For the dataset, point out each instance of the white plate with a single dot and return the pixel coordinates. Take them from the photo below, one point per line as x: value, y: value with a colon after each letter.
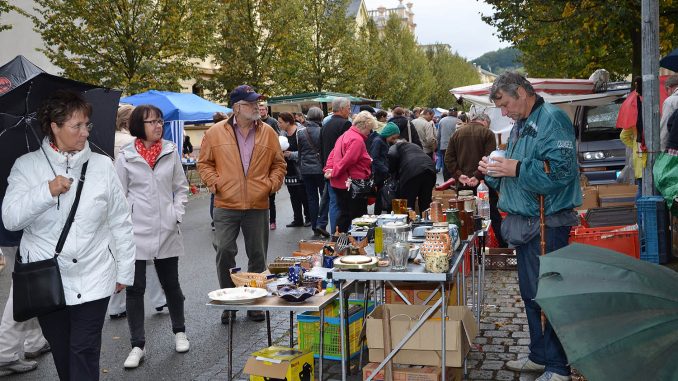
x: 237, y: 295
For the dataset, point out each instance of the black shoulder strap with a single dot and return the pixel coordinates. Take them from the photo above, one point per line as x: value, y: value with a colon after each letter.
x: 71, y: 214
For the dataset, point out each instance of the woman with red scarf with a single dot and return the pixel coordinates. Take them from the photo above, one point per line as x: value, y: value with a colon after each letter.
x: 157, y: 190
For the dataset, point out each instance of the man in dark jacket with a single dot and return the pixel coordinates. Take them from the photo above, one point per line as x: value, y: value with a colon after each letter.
x: 415, y: 172
x: 407, y: 130
x: 329, y: 133
x: 465, y: 149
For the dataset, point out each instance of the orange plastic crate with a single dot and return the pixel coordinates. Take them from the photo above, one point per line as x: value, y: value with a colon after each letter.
x: 625, y: 242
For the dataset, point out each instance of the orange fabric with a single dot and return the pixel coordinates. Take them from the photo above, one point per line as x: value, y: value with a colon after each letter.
x: 628, y: 112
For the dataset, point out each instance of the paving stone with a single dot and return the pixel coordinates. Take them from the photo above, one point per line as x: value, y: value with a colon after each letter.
x: 519, y: 349
x: 494, y: 348
x: 510, y: 309
x: 524, y: 341
x: 510, y: 327
x: 487, y: 326
x: 480, y: 375
x: 492, y: 365
x: 500, y: 356
x: 519, y: 320
x: 503, y: 341
x: 496, y: 334
x: 502, y: 314
x: 481, y: 340
x: 505, y: 375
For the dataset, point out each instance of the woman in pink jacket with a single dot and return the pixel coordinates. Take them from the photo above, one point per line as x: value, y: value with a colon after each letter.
x: 350, y: 160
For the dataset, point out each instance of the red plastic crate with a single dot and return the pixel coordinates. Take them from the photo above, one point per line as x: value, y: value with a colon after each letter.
x: 625, y: 242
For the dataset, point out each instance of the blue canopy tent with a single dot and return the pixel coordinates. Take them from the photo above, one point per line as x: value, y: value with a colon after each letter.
x: 177, y: 109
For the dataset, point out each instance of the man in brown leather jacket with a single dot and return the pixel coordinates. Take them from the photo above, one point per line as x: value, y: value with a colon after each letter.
x: 242, y: 164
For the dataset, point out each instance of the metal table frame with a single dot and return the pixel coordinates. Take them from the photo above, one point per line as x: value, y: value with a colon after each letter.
x: 273, y: 303
x: 472, y: 247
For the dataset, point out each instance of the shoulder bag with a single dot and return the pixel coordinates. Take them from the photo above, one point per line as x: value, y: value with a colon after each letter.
x: 37, y: 285
x: 292, y: 180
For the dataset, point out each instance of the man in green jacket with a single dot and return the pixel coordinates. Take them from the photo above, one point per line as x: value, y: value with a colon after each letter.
x: 542, y: 136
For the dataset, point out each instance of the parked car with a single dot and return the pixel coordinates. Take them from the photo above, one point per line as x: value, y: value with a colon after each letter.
x: 601, y: 154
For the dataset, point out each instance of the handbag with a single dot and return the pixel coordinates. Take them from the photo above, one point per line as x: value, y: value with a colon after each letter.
x: 361, y: 188
x: 293, y: 180
x: 37, y: 285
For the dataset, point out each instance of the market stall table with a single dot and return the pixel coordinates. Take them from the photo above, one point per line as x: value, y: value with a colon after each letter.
x: 316, y: 303
x: 466, y: 255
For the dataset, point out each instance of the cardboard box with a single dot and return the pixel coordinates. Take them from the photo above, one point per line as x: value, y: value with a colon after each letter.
x: 417, y: 292
x: 410, y: 373
x: 616, y: 195
x: 280, y: 363
x: 311, y: 247
x: 589, y: 198
x: 424, y: 347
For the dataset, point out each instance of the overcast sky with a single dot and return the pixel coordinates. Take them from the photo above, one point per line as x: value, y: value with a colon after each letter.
x: 455, y: 22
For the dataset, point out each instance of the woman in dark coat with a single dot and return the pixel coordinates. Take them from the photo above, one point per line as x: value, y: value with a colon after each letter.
x: 407, y: 130
x: 415, y: 171
x: 379, y: 153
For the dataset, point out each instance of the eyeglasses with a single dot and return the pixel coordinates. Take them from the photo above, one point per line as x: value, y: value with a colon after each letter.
x: 154, y: 121
x: 83, y: 126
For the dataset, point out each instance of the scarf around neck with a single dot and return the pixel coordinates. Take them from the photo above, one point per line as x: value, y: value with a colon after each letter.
x: 150, y: 154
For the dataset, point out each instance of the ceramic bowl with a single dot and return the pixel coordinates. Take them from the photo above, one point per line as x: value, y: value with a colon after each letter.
x: 296, y: 294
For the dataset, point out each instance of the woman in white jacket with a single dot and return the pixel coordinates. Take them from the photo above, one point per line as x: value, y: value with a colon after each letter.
x: 156, y: 188
x: 40, y: 193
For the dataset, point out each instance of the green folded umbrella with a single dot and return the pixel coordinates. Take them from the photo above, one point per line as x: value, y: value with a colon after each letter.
x: 616, y: 316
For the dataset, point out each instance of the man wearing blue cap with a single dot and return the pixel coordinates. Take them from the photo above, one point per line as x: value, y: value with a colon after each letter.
x: 242, y: 164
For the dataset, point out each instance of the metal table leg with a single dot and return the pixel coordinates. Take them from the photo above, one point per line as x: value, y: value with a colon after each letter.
x: 322, y: 343
x: 342, y: 331
x: 268, y: 328
x: 443, y: 320
x: 291, y: 329
x: 230, y: 345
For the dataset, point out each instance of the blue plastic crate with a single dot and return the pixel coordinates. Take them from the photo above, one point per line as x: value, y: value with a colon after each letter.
x: 653, y: 229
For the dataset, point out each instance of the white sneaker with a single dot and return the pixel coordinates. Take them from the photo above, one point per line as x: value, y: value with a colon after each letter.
x: 181, y: 342
x: 550, y: 376
x: 134, y: 358
x: 524, y: 365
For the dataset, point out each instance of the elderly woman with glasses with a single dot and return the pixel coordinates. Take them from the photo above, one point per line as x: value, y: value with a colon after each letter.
x: 40, y: 194
x: 350, y: 160
x: 157, y: 190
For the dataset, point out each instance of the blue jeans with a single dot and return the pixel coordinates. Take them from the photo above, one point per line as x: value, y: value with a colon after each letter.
x: 315, y: 184
x: 545, y: 348
x: 334, y: 207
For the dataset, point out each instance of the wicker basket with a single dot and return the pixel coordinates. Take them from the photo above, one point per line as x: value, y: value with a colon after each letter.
x: 259, y: 280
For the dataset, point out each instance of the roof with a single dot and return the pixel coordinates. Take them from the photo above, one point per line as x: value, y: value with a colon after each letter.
x: 321, y: 97
x: 353, y: 8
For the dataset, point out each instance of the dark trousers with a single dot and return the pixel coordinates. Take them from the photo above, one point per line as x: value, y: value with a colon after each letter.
x: 315, y: 185
x: 74, y: 333
x: 421, y: 187
x: 545, y: 348
x: 495, y: 218
x: 348, y: 208
x: 168, y: 275
x: 227, y: 224
x: 299, y: 201
x: 271, y: 208
x: 446, y: 173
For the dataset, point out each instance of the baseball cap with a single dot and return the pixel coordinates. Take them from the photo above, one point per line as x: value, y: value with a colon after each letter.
x: 244, y: 93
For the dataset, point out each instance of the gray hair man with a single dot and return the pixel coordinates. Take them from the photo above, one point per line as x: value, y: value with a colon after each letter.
x: 541, y: 159
x: 427, y: 131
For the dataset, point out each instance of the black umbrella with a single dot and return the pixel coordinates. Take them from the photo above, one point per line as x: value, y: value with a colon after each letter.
x: 670, y: 61
x: 19, y: 128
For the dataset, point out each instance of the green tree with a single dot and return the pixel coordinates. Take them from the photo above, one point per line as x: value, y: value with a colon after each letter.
x: 407, y: 77
x: 5, y: 8
x: 134, y: 45
x: 256, y: 45
x: 449, y: 70
x: 330, y: 44
x: 574, y: 38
